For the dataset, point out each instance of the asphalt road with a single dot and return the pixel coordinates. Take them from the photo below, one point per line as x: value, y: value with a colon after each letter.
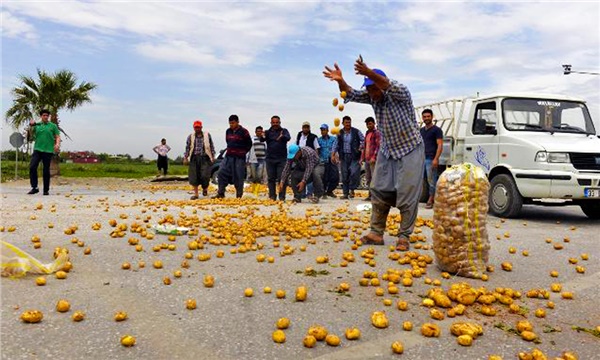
x: 228, y: 325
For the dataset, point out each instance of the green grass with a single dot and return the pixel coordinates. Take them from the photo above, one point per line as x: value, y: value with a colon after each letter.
x: 129, y: 170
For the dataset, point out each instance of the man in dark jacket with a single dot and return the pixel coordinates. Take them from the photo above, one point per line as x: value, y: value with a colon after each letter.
x: 232, y: 169
x: 276, y: 138
x: 349, y: 147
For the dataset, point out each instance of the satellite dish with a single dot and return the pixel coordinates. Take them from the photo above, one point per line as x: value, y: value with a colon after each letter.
x: 16, y: 139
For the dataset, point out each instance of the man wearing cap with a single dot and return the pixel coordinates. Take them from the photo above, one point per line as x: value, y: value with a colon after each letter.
x: 47, y: 143
x: 370, y: 151
x: 331, y: 173
x: 350, y: 142
x: 307, y: 138
x: 162, y: 162
x: 233, y: 168
x: 200, y: 155
x: 276, y: 138
x: 399, y: 167
x: 301, y: 162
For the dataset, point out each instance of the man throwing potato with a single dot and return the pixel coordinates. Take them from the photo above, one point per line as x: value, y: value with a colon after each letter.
x: 398, y: 173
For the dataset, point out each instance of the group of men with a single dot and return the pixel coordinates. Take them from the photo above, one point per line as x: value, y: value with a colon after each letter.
x: 396, y: 156
x: 311, y: 164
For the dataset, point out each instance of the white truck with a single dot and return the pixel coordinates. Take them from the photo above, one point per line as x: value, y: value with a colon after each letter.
x: 534, y: 148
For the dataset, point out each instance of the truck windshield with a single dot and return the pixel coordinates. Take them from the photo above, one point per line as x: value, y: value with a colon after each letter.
x: 547, y: 115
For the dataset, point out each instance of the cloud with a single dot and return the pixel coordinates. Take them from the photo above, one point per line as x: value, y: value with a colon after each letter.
x: 14, y: 27
x: 190, y: 32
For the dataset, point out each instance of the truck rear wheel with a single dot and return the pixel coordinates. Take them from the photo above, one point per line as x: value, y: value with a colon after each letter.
x: 591, y: 208
x: 504, y: 199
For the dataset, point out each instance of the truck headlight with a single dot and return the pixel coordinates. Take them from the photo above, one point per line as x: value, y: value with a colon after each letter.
x: 552, y: 157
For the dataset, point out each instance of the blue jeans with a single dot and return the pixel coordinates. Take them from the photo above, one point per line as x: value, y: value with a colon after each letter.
x: 431, y: 176
x: 350, y: 173
x: 257, y: 172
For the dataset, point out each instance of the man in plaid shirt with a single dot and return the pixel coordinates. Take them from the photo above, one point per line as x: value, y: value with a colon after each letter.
x: 301, y: 163
x: 398, y: 174
x: 369, y: 153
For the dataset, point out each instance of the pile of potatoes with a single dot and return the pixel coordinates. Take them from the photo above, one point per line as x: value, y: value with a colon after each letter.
x: 460, y: 237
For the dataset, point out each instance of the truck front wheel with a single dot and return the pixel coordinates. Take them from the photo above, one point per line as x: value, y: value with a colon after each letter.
x: 591, y: 208
x: 505, y: 199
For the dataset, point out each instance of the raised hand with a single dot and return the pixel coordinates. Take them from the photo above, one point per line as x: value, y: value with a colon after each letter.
x: 334, y: 74
x: 361, y: 68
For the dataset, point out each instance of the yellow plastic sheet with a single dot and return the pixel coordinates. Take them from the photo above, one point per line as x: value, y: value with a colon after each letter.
x: 17, y: 263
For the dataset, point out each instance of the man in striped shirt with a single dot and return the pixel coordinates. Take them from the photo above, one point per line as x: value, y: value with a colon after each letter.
x: 232, y: 169
x: 301, y: 163
x: 399, y: 167
x: 256, y: 160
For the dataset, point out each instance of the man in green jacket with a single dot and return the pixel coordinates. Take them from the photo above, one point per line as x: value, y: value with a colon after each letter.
x: 47, y: 143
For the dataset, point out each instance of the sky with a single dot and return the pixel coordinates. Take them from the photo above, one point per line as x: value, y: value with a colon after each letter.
x: 161, y: 65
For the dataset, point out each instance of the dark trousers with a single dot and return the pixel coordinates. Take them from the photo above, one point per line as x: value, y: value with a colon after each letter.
x: 162, y: 163
x: 314, y: 178
x: 199, y: 171
x: 274, y: 170
x: 331, y: 177
x: 45, y: 158
x: 232, y: 171
x: 350, y: 173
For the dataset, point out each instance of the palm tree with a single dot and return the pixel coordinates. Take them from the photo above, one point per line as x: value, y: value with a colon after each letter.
x: 49, y: 91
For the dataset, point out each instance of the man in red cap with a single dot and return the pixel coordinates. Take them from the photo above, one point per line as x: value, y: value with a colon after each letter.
x: 200, y: 155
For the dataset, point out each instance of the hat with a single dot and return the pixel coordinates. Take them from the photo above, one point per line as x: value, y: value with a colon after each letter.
x: 197, y: 123
x: 325, y: 126
x: 292, y: 151
x: 306, y: 123
x: 371, y: 82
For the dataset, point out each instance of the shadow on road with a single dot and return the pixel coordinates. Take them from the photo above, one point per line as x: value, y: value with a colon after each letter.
x: 565, y: 214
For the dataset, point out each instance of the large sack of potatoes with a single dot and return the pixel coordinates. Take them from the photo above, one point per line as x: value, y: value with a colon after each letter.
x: 460, y: 237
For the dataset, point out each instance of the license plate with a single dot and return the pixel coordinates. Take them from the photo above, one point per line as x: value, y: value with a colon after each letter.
x: 591, y: 193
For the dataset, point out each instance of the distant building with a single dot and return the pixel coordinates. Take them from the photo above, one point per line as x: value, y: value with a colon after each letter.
x: 82, y: 157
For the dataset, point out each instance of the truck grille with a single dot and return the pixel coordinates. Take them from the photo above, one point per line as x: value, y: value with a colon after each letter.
x: 583, y: 161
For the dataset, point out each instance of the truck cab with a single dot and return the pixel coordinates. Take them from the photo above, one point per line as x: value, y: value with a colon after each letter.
x: 535, y: 148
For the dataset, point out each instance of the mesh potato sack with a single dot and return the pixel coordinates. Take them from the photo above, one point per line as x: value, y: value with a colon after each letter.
x: 460, y: 237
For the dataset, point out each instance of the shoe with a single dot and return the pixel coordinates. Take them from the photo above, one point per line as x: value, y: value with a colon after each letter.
x: 351, y: 194
x: 344, y: 197
x: 331, y: 195
x: 324, y: 197
x: 33, y: 191
x: 296, y: 201
x: 429, y: 206
x: 195, y: 197
x: 204, y: 192
x: 46, y: 193
x: 218, y: 196
x: 314, y: 199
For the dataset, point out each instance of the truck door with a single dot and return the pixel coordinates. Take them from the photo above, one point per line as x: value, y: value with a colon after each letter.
x: 481, y: 142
